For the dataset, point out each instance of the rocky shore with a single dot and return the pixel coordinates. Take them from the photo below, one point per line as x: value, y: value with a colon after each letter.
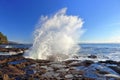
x: 16, y: 67
x: 17, y: 50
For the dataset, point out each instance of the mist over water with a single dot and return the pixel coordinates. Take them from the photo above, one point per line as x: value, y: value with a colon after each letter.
x: 56, y: 37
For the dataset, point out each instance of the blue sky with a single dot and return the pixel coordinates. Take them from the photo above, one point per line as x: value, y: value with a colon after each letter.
x: 101, y: 18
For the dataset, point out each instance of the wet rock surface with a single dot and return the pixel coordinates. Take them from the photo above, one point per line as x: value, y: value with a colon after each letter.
x: 17, y: 50
x: 16, y: 67
x: 92, y: 56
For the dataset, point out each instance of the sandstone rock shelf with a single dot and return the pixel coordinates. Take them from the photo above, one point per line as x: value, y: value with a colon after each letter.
x: 16, y: 67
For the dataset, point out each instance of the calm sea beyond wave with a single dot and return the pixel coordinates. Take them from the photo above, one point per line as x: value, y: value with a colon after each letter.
x: 102, y: 51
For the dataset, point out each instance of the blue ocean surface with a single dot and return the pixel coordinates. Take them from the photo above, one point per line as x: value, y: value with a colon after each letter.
x: 111, y: 51
x: 103, y: 51
x: 99, y: 48
x: 16, y: 46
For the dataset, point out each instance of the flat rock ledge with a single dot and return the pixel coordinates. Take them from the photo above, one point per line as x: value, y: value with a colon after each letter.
x: 16, y: 50
x: 16, y: 67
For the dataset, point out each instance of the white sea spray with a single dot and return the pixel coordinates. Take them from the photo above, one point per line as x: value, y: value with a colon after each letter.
x: 56, y: 37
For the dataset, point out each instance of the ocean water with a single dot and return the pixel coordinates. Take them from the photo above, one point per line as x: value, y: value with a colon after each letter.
x: 99, y: 48
x: 102, y: 51
x: 16, y: 46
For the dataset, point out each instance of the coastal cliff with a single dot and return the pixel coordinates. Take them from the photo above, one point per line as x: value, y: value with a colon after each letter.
x: 3, y: 38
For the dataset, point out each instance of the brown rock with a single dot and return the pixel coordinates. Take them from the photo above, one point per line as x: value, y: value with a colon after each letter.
x: 87, y: 63
x: 5, y: 77
x: 76, y: 72
x: 3, y: 61
x: 12, y: 70
x: 69, y: 61
x: 88, y: 79
x: 43, y: 70
x: 102, y: 72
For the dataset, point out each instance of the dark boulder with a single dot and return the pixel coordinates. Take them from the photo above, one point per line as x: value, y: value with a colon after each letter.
x: 92, y: 56
x: 87, y: 63
x: 115, y: 68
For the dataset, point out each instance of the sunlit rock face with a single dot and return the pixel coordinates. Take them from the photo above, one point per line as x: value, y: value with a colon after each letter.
x: 3, y: 39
